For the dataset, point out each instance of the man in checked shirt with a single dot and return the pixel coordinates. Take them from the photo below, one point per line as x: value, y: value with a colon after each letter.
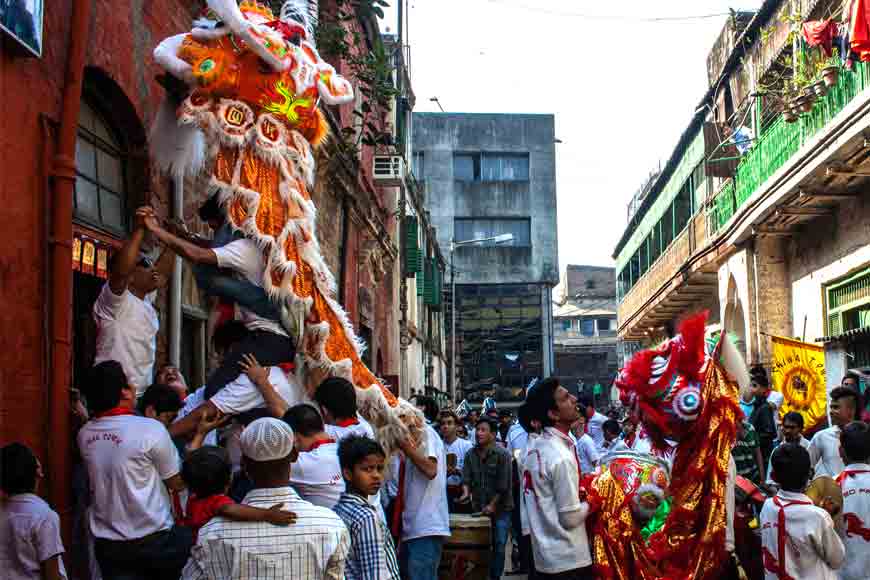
x: 315, y: 547
x: 372, y: 554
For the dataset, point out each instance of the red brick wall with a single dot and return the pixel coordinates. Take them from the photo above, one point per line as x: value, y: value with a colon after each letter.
x: 29, y: 89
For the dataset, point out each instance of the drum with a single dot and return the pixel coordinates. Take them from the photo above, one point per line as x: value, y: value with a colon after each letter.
x: 822, y: 487
x: 467, y: 551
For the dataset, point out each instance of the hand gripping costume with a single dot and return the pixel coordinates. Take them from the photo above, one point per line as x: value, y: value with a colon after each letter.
x: 249, y: 120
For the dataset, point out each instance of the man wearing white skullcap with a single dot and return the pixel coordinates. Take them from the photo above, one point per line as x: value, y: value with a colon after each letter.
x: 314, y: 547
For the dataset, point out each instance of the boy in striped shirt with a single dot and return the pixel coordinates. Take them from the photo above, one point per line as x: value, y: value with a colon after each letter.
x: 372, y: 554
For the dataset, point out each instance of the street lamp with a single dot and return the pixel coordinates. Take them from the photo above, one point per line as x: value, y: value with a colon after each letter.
x: 499, y: 239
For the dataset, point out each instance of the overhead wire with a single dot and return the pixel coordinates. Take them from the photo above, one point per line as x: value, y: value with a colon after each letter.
x: 612, y: 17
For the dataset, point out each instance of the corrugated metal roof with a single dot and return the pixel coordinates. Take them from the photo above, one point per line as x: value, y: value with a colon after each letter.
x: 846, y: 336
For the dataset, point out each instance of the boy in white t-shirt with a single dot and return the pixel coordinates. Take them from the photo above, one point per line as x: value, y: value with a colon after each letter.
x: 127, y: 323
x: 316, y: 472
x: 422, y: 504
x: 30, y: 544
x: 555, y: 505
x: 132, y: 466
x: 455, y: 449
x: 798, y: 539
x: 855, y: 483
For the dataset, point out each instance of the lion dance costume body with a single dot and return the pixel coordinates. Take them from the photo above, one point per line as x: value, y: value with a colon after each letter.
x: 250, y: 121
x: 687, y: 404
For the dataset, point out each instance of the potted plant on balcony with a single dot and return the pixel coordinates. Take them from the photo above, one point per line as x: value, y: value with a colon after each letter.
x: 830, y: 72
x: 790, y: 103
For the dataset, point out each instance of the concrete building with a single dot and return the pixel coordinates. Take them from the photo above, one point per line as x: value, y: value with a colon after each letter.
x: 584, y: 328
x: 772, y: 237
x: 490, y: 175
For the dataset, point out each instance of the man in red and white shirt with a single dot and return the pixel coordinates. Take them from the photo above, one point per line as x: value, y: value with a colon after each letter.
x: 555, y: 506
x: 855, y: 483
x: 132, y: 465
x: 316, y: 472
x: 825, y: 445
x: 798, y: 539
x: 336, y: 398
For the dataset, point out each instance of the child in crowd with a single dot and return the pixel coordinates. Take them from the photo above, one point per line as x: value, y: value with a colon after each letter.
x: 798, y: 539
x: 612, y: 442
x: 855, y: 483
x: 30, y: 546
x: 372, y: 554
x: 207, y: 472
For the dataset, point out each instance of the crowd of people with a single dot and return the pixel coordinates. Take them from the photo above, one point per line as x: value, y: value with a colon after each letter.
x: 304, y: 490
x: 254, y: 475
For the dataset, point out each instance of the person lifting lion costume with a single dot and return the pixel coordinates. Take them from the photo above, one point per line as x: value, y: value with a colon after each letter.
x: 663, y: 513
x: 249, y: 119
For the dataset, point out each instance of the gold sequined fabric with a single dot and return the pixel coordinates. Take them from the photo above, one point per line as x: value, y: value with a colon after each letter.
x: 691, y: 543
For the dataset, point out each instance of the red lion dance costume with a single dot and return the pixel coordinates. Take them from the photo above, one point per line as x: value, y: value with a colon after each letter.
x: 685, y: 396
x: 249, y: 121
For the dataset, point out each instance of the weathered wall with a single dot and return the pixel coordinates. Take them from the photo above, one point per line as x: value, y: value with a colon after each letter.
x: 122, y: 36
x: 438, y: 136
x: 828, y: 249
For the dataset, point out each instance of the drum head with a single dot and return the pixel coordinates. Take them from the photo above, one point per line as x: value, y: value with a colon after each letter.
x: 824, y: 486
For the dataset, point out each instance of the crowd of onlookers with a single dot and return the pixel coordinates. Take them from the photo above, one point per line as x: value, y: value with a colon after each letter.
x: 255, y: 475
x: 304, y: 490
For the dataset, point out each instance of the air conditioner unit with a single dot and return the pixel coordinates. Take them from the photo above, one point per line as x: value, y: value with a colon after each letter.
x: 388, y: 170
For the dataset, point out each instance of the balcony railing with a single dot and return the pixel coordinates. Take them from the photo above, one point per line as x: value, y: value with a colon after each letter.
x: 671, y: 260
x: 779, y: 142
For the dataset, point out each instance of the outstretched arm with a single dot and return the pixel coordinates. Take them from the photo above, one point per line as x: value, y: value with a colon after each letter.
x: 245, y: 513
x: 125, y: 261
x: 183, y: 248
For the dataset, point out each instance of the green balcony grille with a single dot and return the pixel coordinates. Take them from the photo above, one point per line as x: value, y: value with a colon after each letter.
x: 779, y: 142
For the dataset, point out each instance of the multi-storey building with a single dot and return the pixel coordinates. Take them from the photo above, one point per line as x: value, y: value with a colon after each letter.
x: 767, y: 230
x: 491, y: 193
x: 584, y: 328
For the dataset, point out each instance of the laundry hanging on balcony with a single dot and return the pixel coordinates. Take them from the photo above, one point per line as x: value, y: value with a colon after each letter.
x: 820, y: 33
x: 859, y: 29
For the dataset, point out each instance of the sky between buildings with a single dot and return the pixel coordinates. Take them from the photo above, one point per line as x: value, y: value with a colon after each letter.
x: 622, y: 89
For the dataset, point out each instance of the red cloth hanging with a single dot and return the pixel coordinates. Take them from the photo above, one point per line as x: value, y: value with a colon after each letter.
x: 859, y: 32
x: 820, y: 33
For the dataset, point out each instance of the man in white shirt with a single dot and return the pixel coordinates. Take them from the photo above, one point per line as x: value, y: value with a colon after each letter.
x: 316, y: 474
x: 30, y: 544
x: 455, y: 449
x: 855, y: 483
x: 587, y: 453
x: 825, y: 444
x: 132, y: 465
x: 798, y: 539
x: 556, y: 507
x: 257, y: 387
x: 127, y: 323
x: 792, y: 432
x: 594, y: 422
x: 315, y: 547
x: 422, y: 503
x: 267, y: 340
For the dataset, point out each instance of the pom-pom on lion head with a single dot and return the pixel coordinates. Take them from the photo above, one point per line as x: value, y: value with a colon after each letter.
x: 664, y: 384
